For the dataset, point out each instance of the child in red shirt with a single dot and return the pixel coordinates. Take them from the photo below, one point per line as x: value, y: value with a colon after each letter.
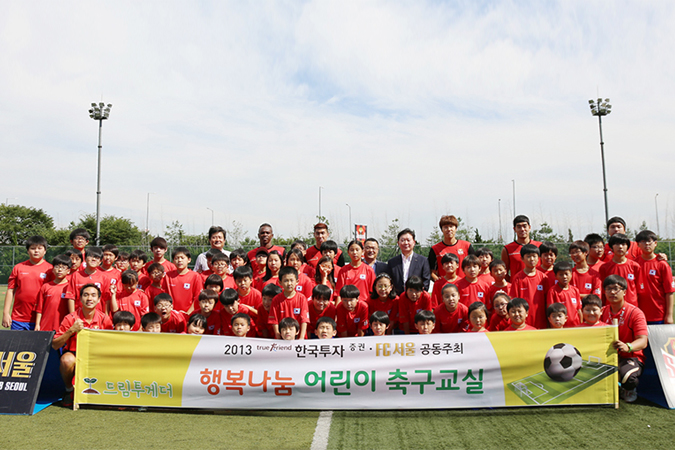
x: 412, y: 301
x: 383, y: 297
x: 622, y: 266
x: 295, y: 259
x: 557, y: 315
x: 290, y: 303
x: 531, y: 285
x: 450, y: 265
x: 289, y: 329
x: 425, y: 321
x: 158, y: 247
x: 471, y: 288
x: 124, y: 321
x: 584, y: 278
x: 596, y: 251
x: 485, y: 256
x: 379, y: 323
x: 52, y: 306
x: 356, y: 273
x: 156, y: 275
x: 269, y: 292
x: 24, y: 286
x: 207, y: 303
x: 182, y: 284
x: 107, y: 267
x: 229, y: 299
x: 271, y: 274
x: 130, y: 298
x: 151, y: 323
x: 351, y: 312
x: 320, y: 305
x: 499, y: 320
x: 498, y: 272
x: 241, y: 324
x: 591, y: 310
x: 172, y: 321
x: 518, y: 312
x: 566, y: 294
x: 477, y: 318
x: 655, y: 297
x: 451, y: 315
x: 248, y: 295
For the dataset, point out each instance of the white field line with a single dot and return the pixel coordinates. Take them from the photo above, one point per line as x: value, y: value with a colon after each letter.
x: 322, y: 430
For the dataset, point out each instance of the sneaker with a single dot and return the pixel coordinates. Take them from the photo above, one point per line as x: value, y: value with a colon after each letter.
x: 630, y: 395
x: 68, y: 399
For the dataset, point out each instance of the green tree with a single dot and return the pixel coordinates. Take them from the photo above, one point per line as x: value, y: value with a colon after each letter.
x: 114, y: 230
x: 236, y: 234
x: 389, y: 237
x: 17, y: 223
x: 545, y: 233
x: 434, y: 237
x: 175, y: 235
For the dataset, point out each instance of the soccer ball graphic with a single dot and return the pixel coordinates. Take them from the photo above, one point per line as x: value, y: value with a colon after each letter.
x: 562, y: 362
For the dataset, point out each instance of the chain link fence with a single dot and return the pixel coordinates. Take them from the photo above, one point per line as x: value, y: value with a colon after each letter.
x: 12, y: 255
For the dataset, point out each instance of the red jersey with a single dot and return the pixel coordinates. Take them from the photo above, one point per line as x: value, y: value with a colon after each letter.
x: 551, y: 280
x: 151, y: 292
x: 477, y: 291
x: 571, y: 298
x: 113, y: 275
x: 263, y: 323
x: 100, y: 321
x: 655, y: 284
x: 305, y: 285
x: 533, y: 290
x: 451, y: 322
x: 175, y: 324
x: 26, y: 279
x: 515, y: 260
x: 587, y: 283
x: 352, y: 321
x: 136, y: 303
x: 184, y: 289
x: 226, y: 321
x: 252, y: 299
x: 80, y: 278
x: 52, y: 304
x: 407, y: 309
x: 597, y: 265
x: 460, y: 249
x: 437, y: 291
x: 632, y: 323
x: 295, y: 307
x: 168, y: 266
x: 599, y: 323
x: 362, y: 277
x: 315, y: 315
x: 499, y: 323
x: 493, y: 290
x: 213, y: 325
x: 630, y: 270
x: 389, y: 306
x: 487, y: 277
x: 143, y: 282
x: 259, y: 283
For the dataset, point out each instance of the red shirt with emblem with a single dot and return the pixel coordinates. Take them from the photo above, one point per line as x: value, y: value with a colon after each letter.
x: 460, y: 249
x: 184, y: 289
x: 569, y: 297
x: 81, y: 278
x: 362, y: 277
x: 407, y: 309
x: 352, y: 321
x: 451, y: 322
x: 100, y: 321
x: 295, y: 307
x: 175, y: 324
x: 630, y: 270
x: 655, y: 284
x: 315, y: 315
x: 477, y: 291
x: 136, y: 303
x: 632, y: 323
x: 533, y: 290
x: 588, y: 282
x: 52, y: 304
x: 26, y: 279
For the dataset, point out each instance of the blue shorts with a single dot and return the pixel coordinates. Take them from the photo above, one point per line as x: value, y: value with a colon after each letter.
x: 22, y: 326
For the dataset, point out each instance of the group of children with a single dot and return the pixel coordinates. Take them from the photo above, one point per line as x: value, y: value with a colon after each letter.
x: 286, y: 295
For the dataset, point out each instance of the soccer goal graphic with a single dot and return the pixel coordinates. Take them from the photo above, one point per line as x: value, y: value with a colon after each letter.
x: 540, y: 389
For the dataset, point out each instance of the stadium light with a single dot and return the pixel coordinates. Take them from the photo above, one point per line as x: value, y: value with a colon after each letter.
x: 99, y: 112
x: 601, y: 108
x: 350, y: 220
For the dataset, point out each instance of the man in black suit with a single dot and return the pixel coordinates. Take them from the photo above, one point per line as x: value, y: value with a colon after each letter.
x: 371, y: 248
x: 408, y: 263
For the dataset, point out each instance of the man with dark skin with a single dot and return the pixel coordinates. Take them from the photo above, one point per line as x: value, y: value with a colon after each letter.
x: 265, y: 235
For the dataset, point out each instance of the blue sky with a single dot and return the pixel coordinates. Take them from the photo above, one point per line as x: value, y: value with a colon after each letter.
x: 405, y: 110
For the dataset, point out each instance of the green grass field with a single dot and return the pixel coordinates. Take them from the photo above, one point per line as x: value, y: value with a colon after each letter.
x: 632, y: 426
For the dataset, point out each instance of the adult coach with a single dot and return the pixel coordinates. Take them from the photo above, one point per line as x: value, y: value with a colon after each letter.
x: 217, y: 240
x: 265, y: 235
x: 313, y: 254
x: 408, y: 263
x: 449, y: 244
x: 511, y: 252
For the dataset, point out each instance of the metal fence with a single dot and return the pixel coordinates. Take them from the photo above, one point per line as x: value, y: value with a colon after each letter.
x: 12, y: 255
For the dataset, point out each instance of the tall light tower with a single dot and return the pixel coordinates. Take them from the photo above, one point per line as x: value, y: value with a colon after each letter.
x: 350, y: 217
x: 602, y: 108
x: 99, y: 112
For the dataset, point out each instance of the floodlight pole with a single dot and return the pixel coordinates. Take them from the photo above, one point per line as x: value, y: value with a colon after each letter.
x: 350, y: 220
x: 602, y: 108
x: 99, y: 112
x: 656, y: 206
